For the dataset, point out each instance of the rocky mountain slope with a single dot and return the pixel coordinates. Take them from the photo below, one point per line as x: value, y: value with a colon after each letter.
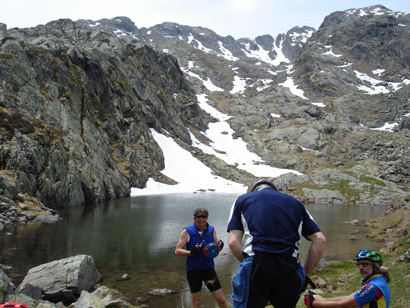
x: 76, y: 107
x: 77, y: 100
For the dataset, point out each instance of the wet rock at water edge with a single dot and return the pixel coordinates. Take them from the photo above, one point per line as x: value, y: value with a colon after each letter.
x: 63, y: 280
x: 124, y: 278
x: 162, y: 292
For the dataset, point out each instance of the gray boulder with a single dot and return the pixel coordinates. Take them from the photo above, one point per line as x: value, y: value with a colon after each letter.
x: 32, y: 297
x: 406, y: 256
x: 31, y: 302
x: 33, y: 292
x: 285, y: 181
x: 9, y: 186
x: 5, y: 284
x: 63, y: 280
x: 88, y: 300
x: 405, y: 123
x: 102, y: 297
x: 324, y: 196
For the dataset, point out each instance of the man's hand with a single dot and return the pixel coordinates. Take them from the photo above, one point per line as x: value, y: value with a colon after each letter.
x: 220, y: 245
x: 195, y: 250
x: 309, y: 299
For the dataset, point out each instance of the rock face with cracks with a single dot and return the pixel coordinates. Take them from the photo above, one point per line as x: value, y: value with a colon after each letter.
x: 76, y: 107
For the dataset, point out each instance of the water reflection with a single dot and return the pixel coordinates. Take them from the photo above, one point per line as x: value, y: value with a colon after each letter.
x: 138, y: 235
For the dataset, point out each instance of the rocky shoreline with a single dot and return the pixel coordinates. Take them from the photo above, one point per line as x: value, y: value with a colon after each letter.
x: 18, y: 207
x: 72, y: 282
x: 324, y: 186
x: 68, y: 282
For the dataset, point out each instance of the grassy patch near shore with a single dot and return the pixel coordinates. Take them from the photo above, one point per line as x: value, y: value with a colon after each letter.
x: 399, y: 281
x: 394, y: 228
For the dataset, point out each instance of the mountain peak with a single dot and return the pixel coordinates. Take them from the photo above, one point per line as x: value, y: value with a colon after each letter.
x: 373, y: 10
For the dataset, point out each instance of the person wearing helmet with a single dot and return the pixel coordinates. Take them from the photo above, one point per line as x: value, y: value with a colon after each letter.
x: 200, y: 244
x: 374, y: 293
x: 271, y: 224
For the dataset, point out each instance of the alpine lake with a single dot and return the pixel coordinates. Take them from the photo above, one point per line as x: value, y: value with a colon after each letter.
x: 137, y: 236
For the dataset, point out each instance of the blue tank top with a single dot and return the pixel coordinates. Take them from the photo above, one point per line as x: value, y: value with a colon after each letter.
x: 199, y: 261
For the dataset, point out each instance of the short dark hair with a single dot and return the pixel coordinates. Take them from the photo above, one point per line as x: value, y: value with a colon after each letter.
x: 201, y: 212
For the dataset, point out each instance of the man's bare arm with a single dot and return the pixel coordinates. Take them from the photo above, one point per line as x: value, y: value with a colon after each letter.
x: 317, y: 246
x: 180, y: 249
x: 235, y: 243
x: 336, y: 302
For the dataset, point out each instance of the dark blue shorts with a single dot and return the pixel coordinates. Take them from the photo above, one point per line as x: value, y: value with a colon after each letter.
x: 195, y: 278
x: 264, y: 278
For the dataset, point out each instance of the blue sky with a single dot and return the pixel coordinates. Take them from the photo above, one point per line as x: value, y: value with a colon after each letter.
x: 239, y: 18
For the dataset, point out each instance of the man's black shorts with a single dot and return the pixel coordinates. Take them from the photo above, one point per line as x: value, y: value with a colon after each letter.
x: 195, y: 278
x: 267, y: 277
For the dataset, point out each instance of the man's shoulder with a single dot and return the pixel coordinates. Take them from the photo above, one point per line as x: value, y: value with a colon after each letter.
x: 378, y: 280
x: 190, y: 228
x: 264, y: 192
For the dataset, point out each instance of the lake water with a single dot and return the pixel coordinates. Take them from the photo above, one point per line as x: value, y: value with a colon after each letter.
x: 137, y: 236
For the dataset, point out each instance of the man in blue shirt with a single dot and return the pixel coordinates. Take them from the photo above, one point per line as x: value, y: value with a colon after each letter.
x: 196, y: 243
x: 271, y: 224
x: 375, y: 292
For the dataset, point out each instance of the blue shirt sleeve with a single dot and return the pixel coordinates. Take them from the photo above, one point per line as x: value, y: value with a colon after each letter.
x: 309, y: 225
x: 366, y: 294
x: 235, y: 221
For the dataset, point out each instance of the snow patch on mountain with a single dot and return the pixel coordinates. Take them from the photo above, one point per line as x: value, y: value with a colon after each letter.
x: 330, y: 52
x: 239, y: 85
x: 264, y: 55
x: 300, y: 37
x: 376, y: 86
x: 192, y: 175
x: 290, y: 84
x: 226, y: 54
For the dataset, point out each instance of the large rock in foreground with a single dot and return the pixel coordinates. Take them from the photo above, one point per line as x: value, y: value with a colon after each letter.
x: 4, y: 285
x: 63, y: 280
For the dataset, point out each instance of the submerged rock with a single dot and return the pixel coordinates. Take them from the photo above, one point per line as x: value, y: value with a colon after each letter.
x: 162, y: 292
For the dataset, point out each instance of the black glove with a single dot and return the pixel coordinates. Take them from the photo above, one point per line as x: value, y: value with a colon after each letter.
x: 194, y: 250
x: 308, y: 281
x: 221, y: 245
x: 309, y: 299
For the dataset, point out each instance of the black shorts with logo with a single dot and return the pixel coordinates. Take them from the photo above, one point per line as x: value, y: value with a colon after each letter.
x: 195, y: 278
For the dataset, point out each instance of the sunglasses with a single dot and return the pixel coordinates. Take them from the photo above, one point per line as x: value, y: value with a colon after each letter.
x: 363, y: 264
x: 201, y: 216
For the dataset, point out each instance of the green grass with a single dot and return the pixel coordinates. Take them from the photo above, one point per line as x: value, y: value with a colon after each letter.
x: 372, y: 180
x: 399, y: 283
x: 124, y: 84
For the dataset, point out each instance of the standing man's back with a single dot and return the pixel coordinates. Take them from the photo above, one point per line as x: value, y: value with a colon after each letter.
x: 271, y: 224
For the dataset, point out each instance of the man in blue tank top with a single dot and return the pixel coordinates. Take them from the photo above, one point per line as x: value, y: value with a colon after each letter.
x: 271, y: 224
x: 374, y: 293
x: 200, y: 244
